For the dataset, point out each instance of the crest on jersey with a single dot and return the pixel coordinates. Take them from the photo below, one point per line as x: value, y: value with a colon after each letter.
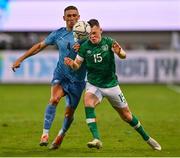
x: 104, y: 47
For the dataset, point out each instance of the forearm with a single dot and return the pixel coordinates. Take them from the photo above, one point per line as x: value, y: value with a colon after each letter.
x: 121, y: 54
x: 117, y: 49
x: 32, y: 51
x: 75, y: 65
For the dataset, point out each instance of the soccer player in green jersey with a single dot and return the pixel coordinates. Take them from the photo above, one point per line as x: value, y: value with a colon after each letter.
x: 98, y: 55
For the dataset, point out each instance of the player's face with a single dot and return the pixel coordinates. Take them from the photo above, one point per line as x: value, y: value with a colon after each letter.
x: 95, y: 35
x: 71, y: 17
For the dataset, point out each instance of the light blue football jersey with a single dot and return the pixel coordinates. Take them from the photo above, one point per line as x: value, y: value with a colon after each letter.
x: 64, y: 40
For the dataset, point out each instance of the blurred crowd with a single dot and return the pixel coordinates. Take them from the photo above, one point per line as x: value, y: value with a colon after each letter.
x: 129, y: 40
x: 19, y: 41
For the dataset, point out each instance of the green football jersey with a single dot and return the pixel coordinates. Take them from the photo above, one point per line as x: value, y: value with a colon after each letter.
x: 100, y: 62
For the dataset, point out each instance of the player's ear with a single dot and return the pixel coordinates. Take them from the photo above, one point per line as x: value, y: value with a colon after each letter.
x: 64, y: 18
x: 101, y: 30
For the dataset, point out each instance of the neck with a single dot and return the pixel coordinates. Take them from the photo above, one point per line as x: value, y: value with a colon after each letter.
x: 98, y: 41
x: 68, y: 29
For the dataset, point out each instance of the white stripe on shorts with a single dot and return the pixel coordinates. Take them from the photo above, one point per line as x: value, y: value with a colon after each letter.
x: 90, y: 120
x: 138, y: 125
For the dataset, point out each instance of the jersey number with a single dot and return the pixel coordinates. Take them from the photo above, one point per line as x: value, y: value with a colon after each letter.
x: 97, y: 58
x: 122, y: 98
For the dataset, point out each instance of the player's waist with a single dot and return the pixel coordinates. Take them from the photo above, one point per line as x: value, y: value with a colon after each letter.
x: 73, y: 76
x: 103, y: 82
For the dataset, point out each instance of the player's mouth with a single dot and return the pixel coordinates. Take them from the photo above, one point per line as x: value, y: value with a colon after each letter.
x: 94, y: 40
x: 72, y: 22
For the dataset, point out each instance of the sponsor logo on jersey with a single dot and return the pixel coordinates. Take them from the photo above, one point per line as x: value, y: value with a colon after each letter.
x: 89, y: 52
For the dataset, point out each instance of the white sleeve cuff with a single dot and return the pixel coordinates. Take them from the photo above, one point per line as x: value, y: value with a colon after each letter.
x: 79, y: 58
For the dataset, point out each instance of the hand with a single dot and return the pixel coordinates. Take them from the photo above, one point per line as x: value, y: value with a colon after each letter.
x: 76, y: 47
x: 116, y: 48
x: 16, y: 65
x: 68, y: 61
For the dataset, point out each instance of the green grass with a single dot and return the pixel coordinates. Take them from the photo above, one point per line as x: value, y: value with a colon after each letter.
x: 21, y: 120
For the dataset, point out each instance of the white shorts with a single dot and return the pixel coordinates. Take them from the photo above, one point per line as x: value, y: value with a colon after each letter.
x: 113, y: 94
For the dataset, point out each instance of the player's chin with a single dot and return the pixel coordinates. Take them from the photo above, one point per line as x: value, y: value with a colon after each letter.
x: 94, y: 41
x: 71, y: 23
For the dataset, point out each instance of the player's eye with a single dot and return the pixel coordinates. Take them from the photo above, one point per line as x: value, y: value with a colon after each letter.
x: 71, y: 15
x: 93, y: 33
x: 74, y: 15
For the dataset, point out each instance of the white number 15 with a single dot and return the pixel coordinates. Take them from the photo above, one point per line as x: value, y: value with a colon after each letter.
x: 97, y: 58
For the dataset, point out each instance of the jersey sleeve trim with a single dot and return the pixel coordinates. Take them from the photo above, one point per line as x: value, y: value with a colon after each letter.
x: 79, y: 58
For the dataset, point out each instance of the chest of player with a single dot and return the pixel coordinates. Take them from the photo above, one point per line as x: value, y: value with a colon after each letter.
x: 100, y: 54
x: 65, y: 42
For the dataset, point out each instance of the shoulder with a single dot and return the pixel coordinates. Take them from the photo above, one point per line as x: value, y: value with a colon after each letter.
x: 60, y: 30
x: 85, y: 43
x: 54, y: 34
x: 84, y: 46
x: 108, y: 39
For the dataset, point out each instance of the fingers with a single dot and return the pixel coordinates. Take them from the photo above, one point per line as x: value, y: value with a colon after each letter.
x: 67, y: 61
x: 15, y: 66
x: 13, y: 69
x: 116, y: 45
x: 76, y: 47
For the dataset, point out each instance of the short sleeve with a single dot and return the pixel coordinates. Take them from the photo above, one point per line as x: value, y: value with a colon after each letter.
x: 110, y: 41
x: 50, y: 39
x: 81, y: 51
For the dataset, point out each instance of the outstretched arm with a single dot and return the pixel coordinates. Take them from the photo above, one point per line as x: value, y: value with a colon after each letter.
x: 116, y: 48
x: 32, y: 51
x: 73, y: 64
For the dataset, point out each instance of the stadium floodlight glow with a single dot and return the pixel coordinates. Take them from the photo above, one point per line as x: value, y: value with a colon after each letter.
x: 131, y: 15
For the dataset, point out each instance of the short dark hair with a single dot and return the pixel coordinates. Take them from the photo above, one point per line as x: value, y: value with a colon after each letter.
x: 71, y: 7
x: 93, y: 22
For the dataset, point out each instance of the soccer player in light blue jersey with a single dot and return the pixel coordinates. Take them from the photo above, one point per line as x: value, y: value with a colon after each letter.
x: 66, y: 82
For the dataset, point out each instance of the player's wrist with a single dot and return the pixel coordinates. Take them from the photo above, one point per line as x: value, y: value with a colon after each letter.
x: 122, y: 53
